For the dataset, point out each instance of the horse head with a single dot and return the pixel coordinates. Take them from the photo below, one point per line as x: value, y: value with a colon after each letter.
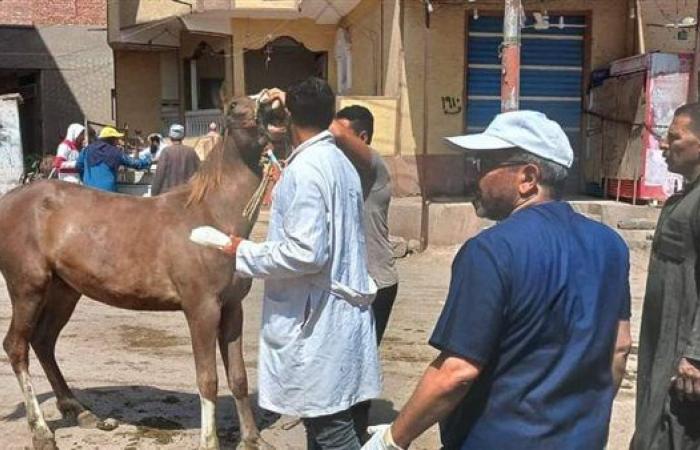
x: 256, y: 124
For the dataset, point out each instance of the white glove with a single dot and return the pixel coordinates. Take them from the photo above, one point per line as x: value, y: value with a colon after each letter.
x: 381, y: 438
x: 209, y: 237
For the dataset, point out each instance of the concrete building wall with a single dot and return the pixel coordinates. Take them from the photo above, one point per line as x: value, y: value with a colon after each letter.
x: 132, y: 12
x: 64, y: 42
x: 85, y: 73
x: 75, y: 70
x: 662, y: 12
x: 256, y: 33
x: 421, y: 66
x: 138, y: 90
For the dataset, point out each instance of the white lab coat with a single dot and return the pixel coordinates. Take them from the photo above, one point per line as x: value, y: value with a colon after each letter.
x: 318, y: 351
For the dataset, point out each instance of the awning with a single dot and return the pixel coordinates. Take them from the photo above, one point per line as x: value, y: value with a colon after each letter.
x: 214, y: 17
x: 165, y: 33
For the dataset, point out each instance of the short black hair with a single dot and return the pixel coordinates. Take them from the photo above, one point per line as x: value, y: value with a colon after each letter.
x: 311, y: 103
x: 692, y: 111
x: 360, y: 118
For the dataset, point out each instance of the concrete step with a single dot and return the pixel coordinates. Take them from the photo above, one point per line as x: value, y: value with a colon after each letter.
x: 452, y: 223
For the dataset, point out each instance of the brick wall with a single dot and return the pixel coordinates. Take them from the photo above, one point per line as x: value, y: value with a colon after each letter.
x: 53, y: 12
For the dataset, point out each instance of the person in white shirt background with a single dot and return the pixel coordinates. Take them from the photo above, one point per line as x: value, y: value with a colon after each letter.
x: 155, y: 147
x: 318, y: 352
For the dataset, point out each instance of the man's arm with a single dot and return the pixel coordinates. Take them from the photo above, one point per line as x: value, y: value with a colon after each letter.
x: 442, y: 388
x: 468, y: 335
x: 134, y: 163
x: 306, y: 246
x: 355, y: 148
x: 687, y: 379
x: 623, y: 345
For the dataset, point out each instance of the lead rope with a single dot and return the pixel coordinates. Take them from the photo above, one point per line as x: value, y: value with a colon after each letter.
x: 268, y: 160
x: 253, y: 207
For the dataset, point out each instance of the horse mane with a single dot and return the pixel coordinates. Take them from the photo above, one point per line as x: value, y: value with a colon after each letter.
x: 224, y: 153
x: 210, y: 172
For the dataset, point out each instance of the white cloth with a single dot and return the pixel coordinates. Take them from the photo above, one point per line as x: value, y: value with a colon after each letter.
x: 69, y: 155
x: 318, y: 351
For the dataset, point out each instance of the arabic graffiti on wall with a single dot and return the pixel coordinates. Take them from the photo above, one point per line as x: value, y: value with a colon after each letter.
x: 451, y: 105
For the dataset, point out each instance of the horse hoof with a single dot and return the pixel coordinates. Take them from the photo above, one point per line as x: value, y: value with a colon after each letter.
x: 44, y: 443
x: 87, y: 419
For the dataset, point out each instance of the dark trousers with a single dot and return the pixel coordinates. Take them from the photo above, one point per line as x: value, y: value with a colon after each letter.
x: 381, y: 307
x: 333, y: 432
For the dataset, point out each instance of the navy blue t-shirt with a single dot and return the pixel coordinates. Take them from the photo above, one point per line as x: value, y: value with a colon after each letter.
x: 536, y: 301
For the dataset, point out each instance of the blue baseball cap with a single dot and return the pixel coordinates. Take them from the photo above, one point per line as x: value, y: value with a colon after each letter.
x: 530, y: 131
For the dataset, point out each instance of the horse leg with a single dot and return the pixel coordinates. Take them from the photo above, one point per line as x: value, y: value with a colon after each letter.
x: 204, y: 323
x: 27, y: 302
x: 61, y: 300
x: 231, y: 347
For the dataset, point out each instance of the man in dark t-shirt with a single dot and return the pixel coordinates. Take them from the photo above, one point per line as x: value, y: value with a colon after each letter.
x: 376, y: 187
x: 534, y: 334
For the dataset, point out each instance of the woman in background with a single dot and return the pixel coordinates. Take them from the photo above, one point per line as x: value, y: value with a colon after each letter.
x: 67, y: 153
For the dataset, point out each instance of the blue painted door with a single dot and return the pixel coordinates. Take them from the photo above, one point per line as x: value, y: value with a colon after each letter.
x: 551, y: 71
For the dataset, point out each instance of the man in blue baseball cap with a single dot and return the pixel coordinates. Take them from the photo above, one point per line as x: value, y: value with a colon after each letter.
x: 534, y: 335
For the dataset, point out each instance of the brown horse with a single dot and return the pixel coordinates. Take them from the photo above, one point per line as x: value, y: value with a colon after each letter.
x: 59, y: 241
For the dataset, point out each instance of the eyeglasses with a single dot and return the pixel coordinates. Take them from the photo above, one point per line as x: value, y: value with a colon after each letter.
x: 482, y: 166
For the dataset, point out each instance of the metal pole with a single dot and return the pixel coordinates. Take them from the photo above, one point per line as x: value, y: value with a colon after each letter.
x: 510, y: 57
x: 640, y: 27
x: 693, y: 79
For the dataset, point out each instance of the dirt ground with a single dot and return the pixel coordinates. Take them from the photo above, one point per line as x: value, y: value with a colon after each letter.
x: 137, y: 367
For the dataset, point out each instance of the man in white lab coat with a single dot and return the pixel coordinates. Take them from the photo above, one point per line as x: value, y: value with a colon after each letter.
x: 318, y: 352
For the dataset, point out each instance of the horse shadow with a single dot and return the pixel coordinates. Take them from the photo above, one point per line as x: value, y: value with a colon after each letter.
x: 155, y: 412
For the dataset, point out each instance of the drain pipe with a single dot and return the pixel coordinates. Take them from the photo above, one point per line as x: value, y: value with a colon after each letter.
x: 510, y: 57
x: 693, y: 79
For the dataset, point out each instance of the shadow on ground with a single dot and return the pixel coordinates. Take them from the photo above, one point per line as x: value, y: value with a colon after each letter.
x: 157, y: 414
x: 382, y: 411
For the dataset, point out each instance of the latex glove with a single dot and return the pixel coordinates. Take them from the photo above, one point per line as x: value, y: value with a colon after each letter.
x: 232, y: 247
x: 381, y: 438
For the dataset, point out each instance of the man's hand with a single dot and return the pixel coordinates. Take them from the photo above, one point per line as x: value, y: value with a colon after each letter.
x: 381, y: 439
x: 276, y: 94
x: 232, y: 247
x: 687, y: 381
x: 339, y: 129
